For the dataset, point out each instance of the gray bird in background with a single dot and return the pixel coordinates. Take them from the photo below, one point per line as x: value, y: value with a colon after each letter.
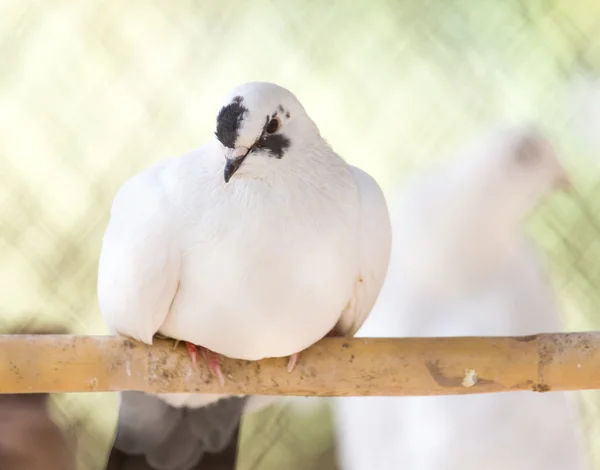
x: 461, y: 265
x: 153, y: 435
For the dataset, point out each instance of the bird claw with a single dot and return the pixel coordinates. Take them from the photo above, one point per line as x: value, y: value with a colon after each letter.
x: 193, y: 350
x: 292, y: 362
x: 294, y: 357
x: 212, y: 360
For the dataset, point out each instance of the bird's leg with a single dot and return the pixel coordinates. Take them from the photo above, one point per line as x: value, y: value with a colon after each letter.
x: 211, y: 358
x: 294, y: 357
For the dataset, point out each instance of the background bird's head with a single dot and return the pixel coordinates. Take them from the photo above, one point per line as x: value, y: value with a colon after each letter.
x: 516, y: 166
x: 261, y: 126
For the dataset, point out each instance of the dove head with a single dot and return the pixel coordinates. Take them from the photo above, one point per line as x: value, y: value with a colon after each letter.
x: 515, y: 166
x: 260, y: 127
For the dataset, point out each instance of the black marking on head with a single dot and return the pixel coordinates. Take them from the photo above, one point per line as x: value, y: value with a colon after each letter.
x: 275, y: 144
x: 229, y: 121
x: 281, y: 109
x: 287, y: 115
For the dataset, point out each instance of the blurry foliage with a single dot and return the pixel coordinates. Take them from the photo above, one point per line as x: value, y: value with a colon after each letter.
x: 304, y: 437
x: 91, y: 92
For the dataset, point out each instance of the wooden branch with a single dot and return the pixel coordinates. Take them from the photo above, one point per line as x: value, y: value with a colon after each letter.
x: 332, y: 367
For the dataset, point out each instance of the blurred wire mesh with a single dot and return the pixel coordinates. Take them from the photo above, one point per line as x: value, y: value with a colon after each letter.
x: 91, y: 92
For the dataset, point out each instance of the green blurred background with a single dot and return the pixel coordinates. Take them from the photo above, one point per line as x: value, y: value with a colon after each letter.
x: 92, y: 92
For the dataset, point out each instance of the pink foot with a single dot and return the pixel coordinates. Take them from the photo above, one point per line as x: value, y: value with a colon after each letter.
x: 294, y: 357
x: 212, y: 360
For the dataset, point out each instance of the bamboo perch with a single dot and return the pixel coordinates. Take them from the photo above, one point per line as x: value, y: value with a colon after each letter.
x: 332, y: 367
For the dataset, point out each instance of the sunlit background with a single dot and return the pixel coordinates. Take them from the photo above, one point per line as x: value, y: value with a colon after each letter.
x: 92, y: 92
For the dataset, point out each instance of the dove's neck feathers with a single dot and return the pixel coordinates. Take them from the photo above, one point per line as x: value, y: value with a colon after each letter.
x: 480, y: 209
x: 480, y: 220
x: 487, y: 203
x: 313, y: 182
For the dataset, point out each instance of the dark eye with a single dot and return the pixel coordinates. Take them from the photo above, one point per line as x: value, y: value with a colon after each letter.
x: 273, y: 126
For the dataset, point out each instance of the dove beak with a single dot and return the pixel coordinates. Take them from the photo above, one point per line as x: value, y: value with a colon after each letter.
x: 234, y: 158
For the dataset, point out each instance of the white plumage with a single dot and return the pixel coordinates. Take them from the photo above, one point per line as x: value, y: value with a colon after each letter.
x: 461, y: 265
x: 294, y: 245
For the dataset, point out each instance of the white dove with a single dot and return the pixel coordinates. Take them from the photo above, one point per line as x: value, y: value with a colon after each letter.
x: 255, y: 245
x: 461, y: 265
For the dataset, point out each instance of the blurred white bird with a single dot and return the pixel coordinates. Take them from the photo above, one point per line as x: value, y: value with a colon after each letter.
x: 255, y: 245
x: 461, y: 266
